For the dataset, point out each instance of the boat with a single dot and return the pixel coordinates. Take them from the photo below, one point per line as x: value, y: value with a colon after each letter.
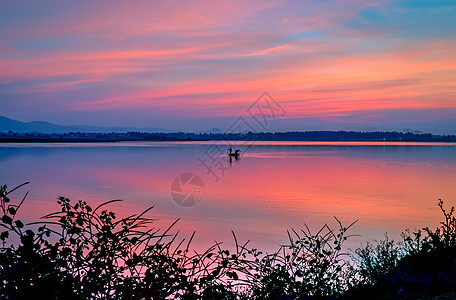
x: 235, y: 154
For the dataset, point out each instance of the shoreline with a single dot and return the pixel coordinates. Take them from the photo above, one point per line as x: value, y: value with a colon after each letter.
x: 290, y: 136
x: 73, y: 140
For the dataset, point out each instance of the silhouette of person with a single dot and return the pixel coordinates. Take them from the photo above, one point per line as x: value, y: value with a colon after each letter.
x: 230, y: 149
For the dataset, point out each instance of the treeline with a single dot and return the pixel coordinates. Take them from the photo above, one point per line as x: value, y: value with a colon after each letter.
x: 389, y: 136
x: 85, y: 252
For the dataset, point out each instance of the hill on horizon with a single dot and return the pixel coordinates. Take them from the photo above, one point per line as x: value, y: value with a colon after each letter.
x: 7, y: 124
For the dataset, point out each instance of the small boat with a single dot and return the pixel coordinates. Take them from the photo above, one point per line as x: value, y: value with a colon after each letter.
x: 235, y: 154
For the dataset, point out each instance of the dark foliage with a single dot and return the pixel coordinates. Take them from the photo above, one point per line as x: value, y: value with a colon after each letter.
x: 311, y: 265
x: 80, y: 252
x: 84, y: 252
x: 422, y: 265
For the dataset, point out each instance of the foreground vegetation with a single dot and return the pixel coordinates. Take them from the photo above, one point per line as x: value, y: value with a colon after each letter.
x: 80, y: 252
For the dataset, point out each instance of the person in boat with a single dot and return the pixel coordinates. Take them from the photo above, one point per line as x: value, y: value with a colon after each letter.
x: 236, y: 153
x: 230, y: 150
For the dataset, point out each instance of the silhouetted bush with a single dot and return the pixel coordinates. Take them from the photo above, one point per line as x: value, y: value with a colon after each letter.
x: 423, y: 264
x: 311, y: 265
x: 84, y: 252
x: 80, y: 252
x: 374, y: 261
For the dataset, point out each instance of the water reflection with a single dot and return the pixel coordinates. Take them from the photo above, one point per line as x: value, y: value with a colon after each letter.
x: 272, y: 187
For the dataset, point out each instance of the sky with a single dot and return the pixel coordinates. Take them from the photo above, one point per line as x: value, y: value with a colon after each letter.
x: 195, y: 65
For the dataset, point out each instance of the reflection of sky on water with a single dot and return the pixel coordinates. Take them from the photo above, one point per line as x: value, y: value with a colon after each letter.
x: 271, y: 188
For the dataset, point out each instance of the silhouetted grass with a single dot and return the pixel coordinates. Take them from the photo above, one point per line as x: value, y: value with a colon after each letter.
x: 80, y: 252
x: 422, y: 265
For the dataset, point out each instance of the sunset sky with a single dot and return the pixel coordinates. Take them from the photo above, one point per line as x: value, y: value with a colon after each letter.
x: 195, y: 65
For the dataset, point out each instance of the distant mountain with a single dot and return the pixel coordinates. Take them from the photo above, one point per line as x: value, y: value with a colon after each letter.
x: 7, y: 124
x: 214, y: 130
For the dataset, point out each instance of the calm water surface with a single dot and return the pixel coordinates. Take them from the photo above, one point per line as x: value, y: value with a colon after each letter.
x: 273, y: 187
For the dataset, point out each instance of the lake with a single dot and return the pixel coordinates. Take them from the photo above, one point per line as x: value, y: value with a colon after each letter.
x: 274, y: 186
